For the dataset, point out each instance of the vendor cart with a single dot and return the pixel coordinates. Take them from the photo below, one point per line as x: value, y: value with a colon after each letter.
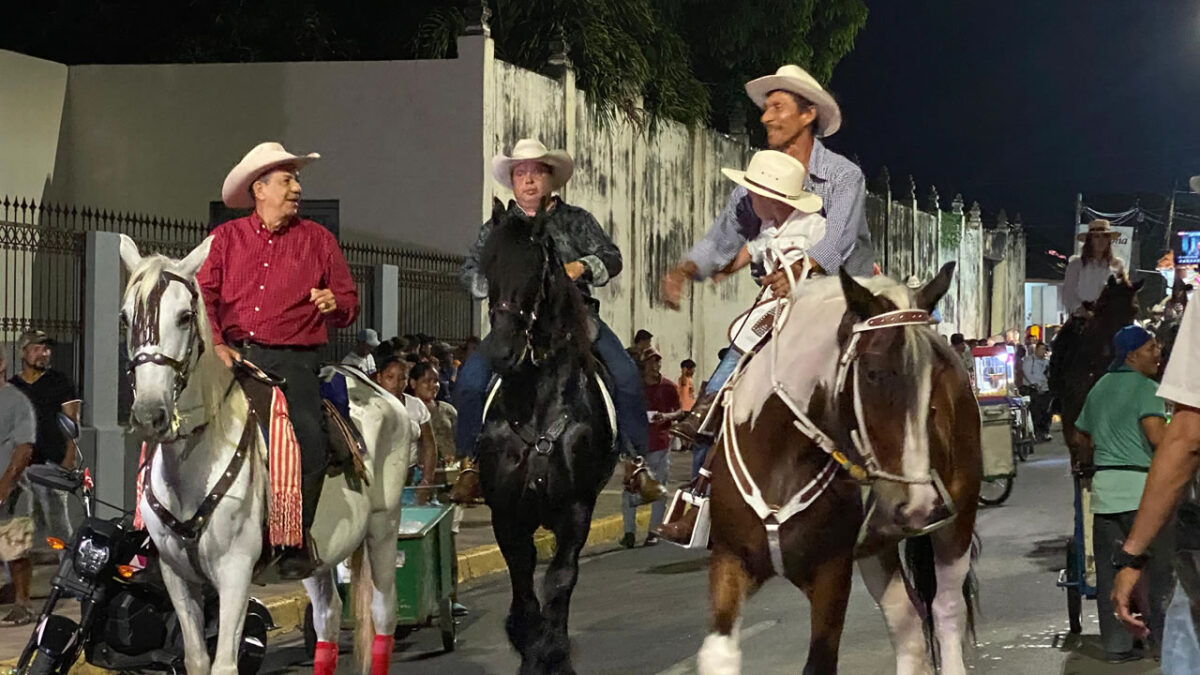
x: 994, y: 390
x: 425, y: 563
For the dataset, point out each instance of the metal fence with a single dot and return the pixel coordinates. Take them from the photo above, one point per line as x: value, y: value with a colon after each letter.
x: 42, y: 275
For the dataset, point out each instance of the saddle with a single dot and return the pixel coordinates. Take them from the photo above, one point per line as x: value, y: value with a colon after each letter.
x: 347, y: 448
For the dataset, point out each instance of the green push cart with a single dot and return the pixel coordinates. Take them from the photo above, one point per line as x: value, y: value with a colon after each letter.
x: 424, y: 576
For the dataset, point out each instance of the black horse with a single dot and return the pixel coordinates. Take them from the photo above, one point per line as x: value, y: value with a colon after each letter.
x: 546, y: 449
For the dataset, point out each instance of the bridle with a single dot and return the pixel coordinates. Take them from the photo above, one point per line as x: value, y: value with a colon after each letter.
x: 527, y: 316
x: 145, y: 333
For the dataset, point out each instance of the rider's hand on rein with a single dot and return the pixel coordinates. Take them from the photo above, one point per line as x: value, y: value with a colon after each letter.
x: 574, y: 269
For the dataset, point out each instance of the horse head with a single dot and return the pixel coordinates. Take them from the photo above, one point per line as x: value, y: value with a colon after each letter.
x: 167, y: 331
x: 889, y: 353
x: 532, y: 303
x: 1118, y: 304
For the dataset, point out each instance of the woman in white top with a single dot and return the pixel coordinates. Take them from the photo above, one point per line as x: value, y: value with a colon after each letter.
x: 391, y: 376
x: 1088, y: 272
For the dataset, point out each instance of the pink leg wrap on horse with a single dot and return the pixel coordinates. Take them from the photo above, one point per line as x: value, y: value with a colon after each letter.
x: 325, y: 659
x: 381, y: 654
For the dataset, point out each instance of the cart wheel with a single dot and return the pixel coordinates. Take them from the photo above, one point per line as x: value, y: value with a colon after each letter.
x: 994, y: 491
x: 1024, y: 449
x: 1074, y: 597
x: 448, y: 625
x: 402, y: 632
x: 310, y: 632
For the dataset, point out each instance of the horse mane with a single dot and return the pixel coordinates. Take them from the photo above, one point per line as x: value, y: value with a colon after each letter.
x: 209, y: 368
x: 519, y: 252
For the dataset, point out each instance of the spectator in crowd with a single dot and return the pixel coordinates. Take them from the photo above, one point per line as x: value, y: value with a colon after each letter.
x: 363, y: 356
x: 1033, y: 370
x: 412, y: 344
x: 50, y: 392
x: 642, y: 340
x: 424, y: 382
x: 18, y: 433
x: 687, y: 390
x: 963, y: 349
x: 662, y: 408
x: 1121, y: 424
x: 392, y: 375
x: 447, y: 370
x: 421, y: 389
x: 465, y: 350
x: 424, y: 346
x: 389, y: 349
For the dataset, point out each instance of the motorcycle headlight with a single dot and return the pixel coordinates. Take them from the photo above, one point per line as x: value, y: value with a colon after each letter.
x: 90, y: 557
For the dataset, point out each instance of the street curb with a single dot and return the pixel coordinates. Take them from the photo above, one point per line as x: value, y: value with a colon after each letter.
x: 287, y: 609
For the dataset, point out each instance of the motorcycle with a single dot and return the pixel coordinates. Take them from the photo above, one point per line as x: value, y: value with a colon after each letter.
x: 127, y: 622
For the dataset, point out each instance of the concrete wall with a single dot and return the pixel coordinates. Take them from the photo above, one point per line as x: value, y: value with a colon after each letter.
x: 398, y: 138
x: 32, y: 94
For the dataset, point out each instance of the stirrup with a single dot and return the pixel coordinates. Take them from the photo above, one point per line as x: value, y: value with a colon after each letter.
x: 680, y: 503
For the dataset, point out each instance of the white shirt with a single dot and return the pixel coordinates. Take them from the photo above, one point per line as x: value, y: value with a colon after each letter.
x: 1181, y: 380
x: 1083, y: 283
x: 776, y: 247
x: 1034, y: 370
x: 363, y: 363
x: 419, y: 416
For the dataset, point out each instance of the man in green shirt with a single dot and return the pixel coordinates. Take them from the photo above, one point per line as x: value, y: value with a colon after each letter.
x: 1122, y: 421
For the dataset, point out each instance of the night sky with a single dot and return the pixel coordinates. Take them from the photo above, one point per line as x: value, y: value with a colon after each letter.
x: 1021, y: 104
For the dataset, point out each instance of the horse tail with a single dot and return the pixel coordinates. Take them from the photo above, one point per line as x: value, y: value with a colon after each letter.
x: 921, y: 579
x: 971, y: 587
x: 362, y: 594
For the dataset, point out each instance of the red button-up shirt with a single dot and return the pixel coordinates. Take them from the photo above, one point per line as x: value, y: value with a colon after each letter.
x: 256, y: 283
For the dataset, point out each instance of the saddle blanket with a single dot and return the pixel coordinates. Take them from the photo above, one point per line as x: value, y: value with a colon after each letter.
x: 284, y: 516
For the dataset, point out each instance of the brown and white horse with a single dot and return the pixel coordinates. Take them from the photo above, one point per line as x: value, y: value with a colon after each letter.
x: 855, y: 390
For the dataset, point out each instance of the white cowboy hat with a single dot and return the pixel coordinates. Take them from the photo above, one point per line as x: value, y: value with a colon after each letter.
x: 261, y: 158
x: 1098, y: 226
x: 560, y: 163
x: 779, y: 176
x: 797, y: 80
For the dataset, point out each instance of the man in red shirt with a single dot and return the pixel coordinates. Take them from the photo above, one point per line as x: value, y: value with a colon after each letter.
x: 273, y: 284
x: 662, y: 408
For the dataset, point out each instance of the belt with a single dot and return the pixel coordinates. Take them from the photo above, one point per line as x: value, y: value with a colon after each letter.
x: 1123, y: 467
x: 243, y: 344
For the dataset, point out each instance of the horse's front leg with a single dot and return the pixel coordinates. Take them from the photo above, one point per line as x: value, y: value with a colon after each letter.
x: 554, y: 649
x: 881, y: 574
x: 728, y: 585
x: 186, y: 599
x: 950, y: 607
x: 232, y: 579
x: 828, y: 590
x: 524, y: 621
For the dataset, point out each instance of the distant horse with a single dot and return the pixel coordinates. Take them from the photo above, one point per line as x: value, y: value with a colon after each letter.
x: 856, y: 365
x: 1079, y: 358
x: 547, y: 446
x: 206, y: 488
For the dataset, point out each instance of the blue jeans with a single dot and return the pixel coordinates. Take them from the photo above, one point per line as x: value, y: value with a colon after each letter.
x: 659, y: 463
x: 1180, y: 649
x: 470, y: 394
x: 719, y: 377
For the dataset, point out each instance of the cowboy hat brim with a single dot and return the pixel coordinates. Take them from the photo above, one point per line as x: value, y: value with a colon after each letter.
x: 560, y: 163
x: 807, y: 202
x: 235, y: 192
x: 829, y: 114
x: 1082, y: 236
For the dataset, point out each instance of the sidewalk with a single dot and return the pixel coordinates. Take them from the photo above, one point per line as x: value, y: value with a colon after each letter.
x: 478, y: 557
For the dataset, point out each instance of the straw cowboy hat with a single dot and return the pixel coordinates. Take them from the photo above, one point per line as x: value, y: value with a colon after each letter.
x: 262, y: 158
x: 779, y: 176
x: 1099, y: 227
x: 560, y: 163
x: 797, y: 81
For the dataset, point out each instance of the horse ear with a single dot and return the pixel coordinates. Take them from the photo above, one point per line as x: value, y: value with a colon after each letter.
x: 130, y: 257
x: 539, y: 220
x: 929, y: 294
x: 858, y: 299
x: 497, y: 210
x: 1112, y: 281
x: 191, y: 264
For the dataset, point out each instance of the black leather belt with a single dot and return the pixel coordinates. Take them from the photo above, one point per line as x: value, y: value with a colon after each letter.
x: 245, y: 344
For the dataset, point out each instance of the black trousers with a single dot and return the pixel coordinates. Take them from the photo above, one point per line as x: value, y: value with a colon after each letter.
x: 1039, y: 409
x: 1109, y: 531
x: 299, y: 367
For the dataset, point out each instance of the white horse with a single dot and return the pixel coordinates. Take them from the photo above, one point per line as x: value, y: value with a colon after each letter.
x: 186, y: 403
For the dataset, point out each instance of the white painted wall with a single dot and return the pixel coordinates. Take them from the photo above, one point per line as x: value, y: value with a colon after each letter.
x: 399, y: 139
x: 32, y: 93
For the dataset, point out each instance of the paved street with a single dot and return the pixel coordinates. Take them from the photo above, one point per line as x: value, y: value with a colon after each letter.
x: 645, y: 611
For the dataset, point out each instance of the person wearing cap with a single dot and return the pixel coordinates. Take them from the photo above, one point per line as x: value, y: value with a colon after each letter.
x: 51, y: 392
x: 534, y: 173
x: 1122, y: 422
x: 662, y: 404
x: 363, y: 356
x: 18, y: 433
x: 273, y: 285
